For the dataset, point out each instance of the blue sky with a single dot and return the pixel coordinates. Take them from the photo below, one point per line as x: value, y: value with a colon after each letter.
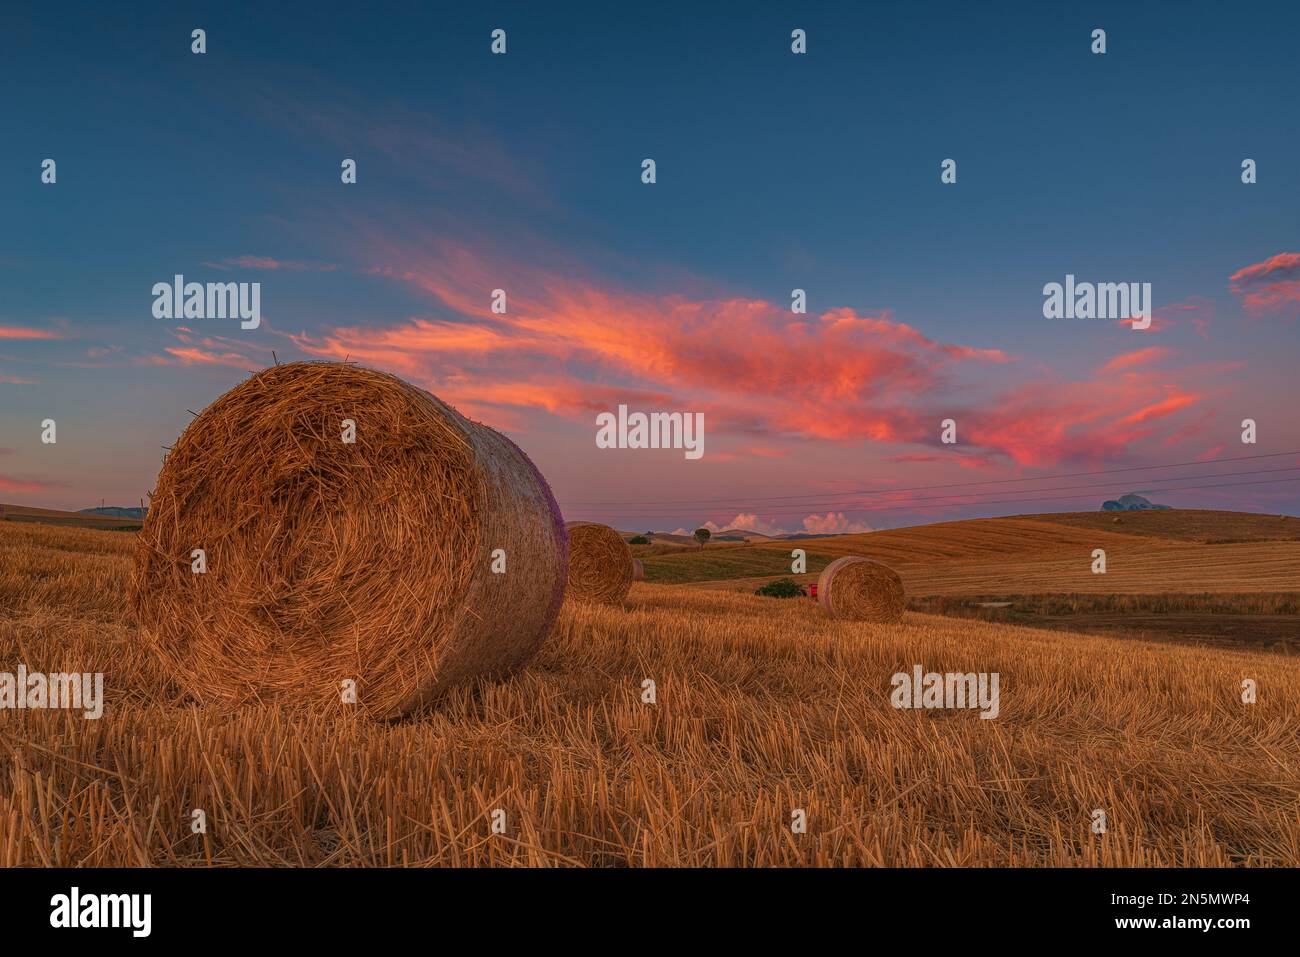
x: 775, y: 171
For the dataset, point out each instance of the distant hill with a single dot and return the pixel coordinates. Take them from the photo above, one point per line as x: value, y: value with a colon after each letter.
x: 116, y: 511
x: 1129, y: 503
x: 1151, y: 550
x: 729, y: 536
x: 90, y: 518
x: 739, y: 535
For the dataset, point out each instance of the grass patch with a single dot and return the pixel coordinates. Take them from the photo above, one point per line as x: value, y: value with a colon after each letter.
x: 704, y: 564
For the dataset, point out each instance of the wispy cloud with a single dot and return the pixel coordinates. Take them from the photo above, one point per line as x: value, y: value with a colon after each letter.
x: 200, y: 350
x: 1135, y: 358
x: 9, y: 484
x: 1270, y: 286
x: 268, y: 263
x: 24, y: 332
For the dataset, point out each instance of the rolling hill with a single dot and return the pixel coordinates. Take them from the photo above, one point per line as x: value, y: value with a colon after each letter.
x: 82, y: 519
x: 1156, y: 550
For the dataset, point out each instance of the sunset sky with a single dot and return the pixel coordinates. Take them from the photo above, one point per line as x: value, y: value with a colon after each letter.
x: 775, y: 171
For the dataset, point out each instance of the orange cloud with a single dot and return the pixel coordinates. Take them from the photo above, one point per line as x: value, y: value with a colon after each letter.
x: 1044, y: 422
x: 21, y: 332
x: 569, y: 347
x: 197, y: 350
x: 191, y: 355
x: 749, y: 362
x: 1164, y: 407
x: 1137, y: 357
x: 8, y: 484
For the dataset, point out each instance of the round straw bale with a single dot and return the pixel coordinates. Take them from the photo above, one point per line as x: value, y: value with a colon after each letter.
x: 600, y: 563
x: 327, y: 562
x: 638, y: 570
x: 859, y: 589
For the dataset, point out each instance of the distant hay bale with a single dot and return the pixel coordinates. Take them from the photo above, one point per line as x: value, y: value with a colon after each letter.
x: 331, y: 562
x: 859, y: 589
x: 638, y: 570
x: 600, y: 563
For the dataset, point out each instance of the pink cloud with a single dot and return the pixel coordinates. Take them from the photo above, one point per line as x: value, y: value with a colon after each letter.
x: 745, y: 521
x: 829, y: 376
x: 964, y: 460
x: 1211, y: 454
x: 833, y: 523
x: 1196, y: 310
x: 22, y: 332
x: 1044, y: 422
x: 195, y: 350
x: 1269, y: 286
x: 1158, y: 410
x: 570, y: 347
x: 193, y: 355
x: 8, y: 484
x: 1137, y: 357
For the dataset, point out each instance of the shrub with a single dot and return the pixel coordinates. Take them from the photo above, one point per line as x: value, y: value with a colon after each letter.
x: 781, y: 588
x: 638, y: 540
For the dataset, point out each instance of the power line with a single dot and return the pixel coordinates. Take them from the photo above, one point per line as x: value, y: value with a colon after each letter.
x: 933, y: 501
x: 852, y: 506
x: 823, y: 496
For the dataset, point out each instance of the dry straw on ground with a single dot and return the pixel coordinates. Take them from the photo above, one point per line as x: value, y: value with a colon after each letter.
x: 600, y: 563
x: 763, y: 706
x: 859, y: 589
x: 330, y: 561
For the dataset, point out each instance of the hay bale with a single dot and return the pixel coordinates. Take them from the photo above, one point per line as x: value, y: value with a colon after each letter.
x: 638, y: 570
x: 859, y: 589
x: 329, y: 561
x: 600, y: 563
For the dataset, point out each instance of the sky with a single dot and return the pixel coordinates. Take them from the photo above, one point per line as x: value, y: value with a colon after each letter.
x: 775, y: 171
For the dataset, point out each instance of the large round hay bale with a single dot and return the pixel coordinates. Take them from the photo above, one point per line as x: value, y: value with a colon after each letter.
x: 329, y: 562
x: 638, y: 570
x: 600, y: 563
x: 859, y: 589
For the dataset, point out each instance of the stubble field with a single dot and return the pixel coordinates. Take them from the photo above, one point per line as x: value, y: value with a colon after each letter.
x: 762, y: 708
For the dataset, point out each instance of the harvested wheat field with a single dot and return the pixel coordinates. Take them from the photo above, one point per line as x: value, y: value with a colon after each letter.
x: 1156, y: 552
x: 762, y: 707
